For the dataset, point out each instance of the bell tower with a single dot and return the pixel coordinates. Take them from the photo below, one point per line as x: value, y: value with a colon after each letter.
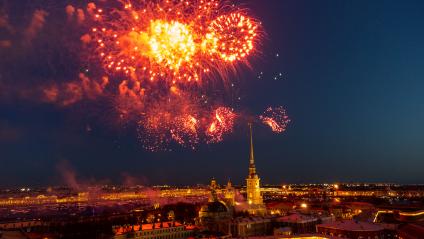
x: 253, y: 187
x: 230, y: 194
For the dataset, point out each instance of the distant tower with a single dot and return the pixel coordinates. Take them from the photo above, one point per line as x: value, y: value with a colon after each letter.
x: 253, y: 188
x: 230, y: 194
x: 213, y: 187
x: 214, y: 184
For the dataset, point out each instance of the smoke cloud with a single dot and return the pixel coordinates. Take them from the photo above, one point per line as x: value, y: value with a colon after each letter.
x: 5, y: 43
x: 37, y: 22
x: 72, y: 92
x: 68, y: 175
x: 80, y: 15
x: 70, y: 11
x: 91, y: 7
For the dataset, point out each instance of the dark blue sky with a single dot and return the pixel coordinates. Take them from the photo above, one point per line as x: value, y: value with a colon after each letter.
x: 352, y: 83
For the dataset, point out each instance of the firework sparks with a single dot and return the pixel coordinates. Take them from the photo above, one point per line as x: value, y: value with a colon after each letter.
x: 177, y: 41
x: 235, y: 35
x: 187, y: 125
x: 275, y: 118
x: 222, y: 124
x: 163, y: 58
x: 159, y: 52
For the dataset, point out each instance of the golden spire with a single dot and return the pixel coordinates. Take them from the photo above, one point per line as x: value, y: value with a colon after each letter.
x: 252, y: 168
x: 252, y: 157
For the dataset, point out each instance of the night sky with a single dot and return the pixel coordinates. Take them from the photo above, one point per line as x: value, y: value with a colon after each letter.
x: 351, y: 81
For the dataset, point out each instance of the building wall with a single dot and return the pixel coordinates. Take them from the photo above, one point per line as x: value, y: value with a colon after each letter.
x: 158, y: 233
x: 22, y: 224
x: 251, y: 228
x: 299, y: 227
x: 253, y: 191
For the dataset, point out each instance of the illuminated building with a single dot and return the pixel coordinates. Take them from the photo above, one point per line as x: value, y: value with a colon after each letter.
x: 251, y: 226
x: 229, y: 194
x: 282, y: 231
x: 214, y: 184
x: 253, y: 187
x: 280, y: 208
x: 299, y: 223
x: 21, y: 224
x: 215, y: 215
x: 162, y: 230
x: 399, y: 216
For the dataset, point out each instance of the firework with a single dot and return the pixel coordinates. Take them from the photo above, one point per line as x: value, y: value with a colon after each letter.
x: 222, y: 123
x: 185, y: 123
x: 173, y: 119
x: 172, y: 40
x: 163, y: 55
x: 233, y: 35
x: 165, y: 61
x: 275, y: 118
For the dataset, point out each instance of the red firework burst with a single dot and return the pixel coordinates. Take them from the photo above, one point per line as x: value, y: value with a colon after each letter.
x: 275, y: 118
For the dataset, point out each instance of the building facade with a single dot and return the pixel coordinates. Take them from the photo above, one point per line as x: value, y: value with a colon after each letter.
x: 230, y: 194
x: 251, y: 226
x: 215, y: 216
x: 163, y: 230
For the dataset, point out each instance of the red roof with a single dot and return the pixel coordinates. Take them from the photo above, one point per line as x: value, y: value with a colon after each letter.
x: 280, y: 205
x: 352, y: 225
x: 296, y: 218
x: 148, y: 226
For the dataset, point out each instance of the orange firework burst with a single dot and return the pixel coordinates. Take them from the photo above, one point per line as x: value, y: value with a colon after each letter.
x: 161, y: 56
x: 275, y: 118
x: 234, y: 35
x: 222, y: 123
x: 173, y: 40
x: 163, y: 50
x: 174, y: 119
x: 184, y: 122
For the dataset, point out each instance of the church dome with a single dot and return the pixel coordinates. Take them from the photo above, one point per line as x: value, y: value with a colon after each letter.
x: 214, y: 207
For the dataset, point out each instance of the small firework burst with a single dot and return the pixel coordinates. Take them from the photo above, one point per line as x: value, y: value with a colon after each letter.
x: 222, y: 123
x: 276, y: 118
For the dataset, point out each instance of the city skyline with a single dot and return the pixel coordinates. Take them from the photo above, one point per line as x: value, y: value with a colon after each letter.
x: 348, y: 74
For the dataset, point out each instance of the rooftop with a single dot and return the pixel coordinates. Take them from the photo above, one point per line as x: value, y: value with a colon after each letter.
x: 352, y: 225
x: 296, y: 218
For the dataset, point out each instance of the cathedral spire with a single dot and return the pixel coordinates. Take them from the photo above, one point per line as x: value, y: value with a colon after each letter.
x: 252, y: 156
x: 252, y: 168
x: 253, y: 186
